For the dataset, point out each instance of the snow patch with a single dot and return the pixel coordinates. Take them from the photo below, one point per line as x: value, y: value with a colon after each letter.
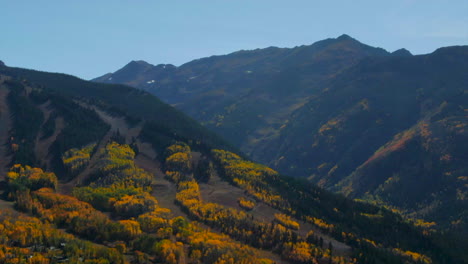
x: 150, y: 82
x: 191, y: 78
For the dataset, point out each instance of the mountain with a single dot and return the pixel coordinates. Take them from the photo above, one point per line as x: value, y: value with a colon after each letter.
x: 349, y: 117
x: 246, y: 96
x: 402, y: 52
x: 390, y: 129
x: 132, y: 180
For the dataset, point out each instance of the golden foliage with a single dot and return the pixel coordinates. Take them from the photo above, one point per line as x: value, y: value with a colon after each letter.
x: 251, y: 177
x: 123, y: 187
x: 130, y: 228
x: 31, y: 178
x: 413, y: 256
x: 320, y: 223
x: 246, y: 204
x: 239, y: 224
x: 178, y: 161
x: 286, y: 221
x: 77, y: 159
x: 300, y: 252
x: 134, y: 205
x: 27, y: 240
x: 179, y: 147
x: 116, y: 157
x: 155, y: 223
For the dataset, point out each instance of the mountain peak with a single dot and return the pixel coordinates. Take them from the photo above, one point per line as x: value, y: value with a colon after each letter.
x: 351, y: 43
x: 2, y: 63
x: 165, y: 66
x: 402, y: 53
x: 345, y: 37
x: 139, y: 63
x: 136, y: 66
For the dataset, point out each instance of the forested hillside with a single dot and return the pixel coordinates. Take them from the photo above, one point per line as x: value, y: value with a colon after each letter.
x: 91, y: 179
x: 349, y: 117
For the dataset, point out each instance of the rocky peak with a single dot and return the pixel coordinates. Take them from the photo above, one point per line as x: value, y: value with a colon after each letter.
x: 402, y: 53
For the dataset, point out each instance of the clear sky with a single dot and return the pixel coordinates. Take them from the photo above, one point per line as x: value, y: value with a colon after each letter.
x: 89, y: 38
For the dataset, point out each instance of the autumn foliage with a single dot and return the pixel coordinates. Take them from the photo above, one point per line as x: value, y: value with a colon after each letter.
x: 238, y: 224
x: 246, y: 204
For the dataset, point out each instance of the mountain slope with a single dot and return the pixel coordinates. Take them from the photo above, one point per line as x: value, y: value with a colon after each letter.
x: 118, y: 181
x: 364, y: 110
x: 245, y: 96
x: 123, y: 100
x: 322, y: 111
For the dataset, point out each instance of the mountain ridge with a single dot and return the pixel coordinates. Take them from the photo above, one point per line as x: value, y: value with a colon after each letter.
x: 321, y: 111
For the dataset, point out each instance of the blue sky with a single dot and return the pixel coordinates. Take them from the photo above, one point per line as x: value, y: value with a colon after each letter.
x: 89, y: 38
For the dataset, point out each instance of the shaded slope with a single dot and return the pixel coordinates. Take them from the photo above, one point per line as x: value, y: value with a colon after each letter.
x: 136, y: 105
x: 322, y: 111
x: 364, y: 109
x: 245, y: 96
x: 422, y: 170
x: 5, y: 125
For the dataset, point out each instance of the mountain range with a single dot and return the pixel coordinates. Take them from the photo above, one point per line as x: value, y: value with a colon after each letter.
x: 389, y: 128
x: 106, y: 173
